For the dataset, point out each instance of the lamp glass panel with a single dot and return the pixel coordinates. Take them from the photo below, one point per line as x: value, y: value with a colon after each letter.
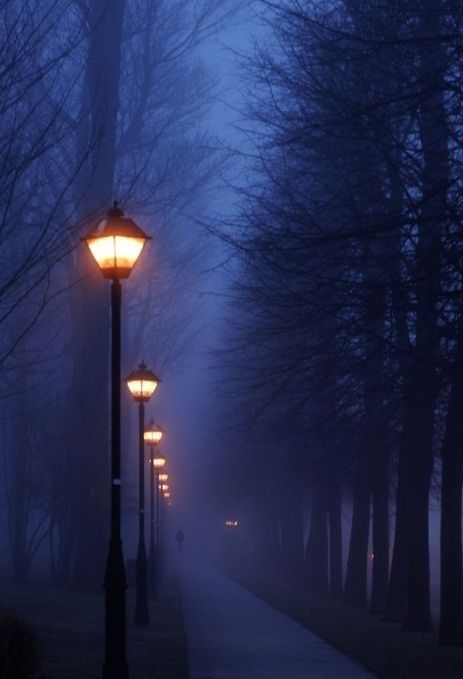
x: 142, y: 388
x: 152, y: 436
x: 116, y: 252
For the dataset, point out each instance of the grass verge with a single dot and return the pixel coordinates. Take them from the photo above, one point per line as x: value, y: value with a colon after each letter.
x: 382, y: 648
x: 70, y: 630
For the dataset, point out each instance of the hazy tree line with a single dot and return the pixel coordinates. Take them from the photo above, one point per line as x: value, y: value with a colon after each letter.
x: 344, y: 373
x: 102, y: 100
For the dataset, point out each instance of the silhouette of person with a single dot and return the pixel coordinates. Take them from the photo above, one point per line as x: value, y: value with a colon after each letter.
x: 180, y: 538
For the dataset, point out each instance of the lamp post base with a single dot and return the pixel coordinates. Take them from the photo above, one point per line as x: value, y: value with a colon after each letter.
x: 115, y: 665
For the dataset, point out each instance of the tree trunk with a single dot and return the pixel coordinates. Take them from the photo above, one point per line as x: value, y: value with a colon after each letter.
x: 355, y: 591
x: 451, y: 601
x: 89, y: 447
x: 423, y: 388
x: 292, y: 547
x: 380, y: 487
x: 335, y: 526
x: 316, y: 555
x: 266, y: 537
x: 18, y: 493
x: 420, y: 453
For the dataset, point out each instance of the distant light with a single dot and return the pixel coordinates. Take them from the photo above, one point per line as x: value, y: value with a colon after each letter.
x: 164, y: 486
x: 164, y: 477
x: 372, y: 556
x: 159, y: 460
x: 231, y: 523
x: 153, y: 433
x: 167, y: 495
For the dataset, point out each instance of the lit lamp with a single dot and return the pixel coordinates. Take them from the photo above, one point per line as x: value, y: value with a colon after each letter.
x: 142, y: 384
x: 164, y: 486
x: 152, y: 435
x: 116, y: 243
x: 159, y: 461
x: 167, y: 495
x: 163, y: 477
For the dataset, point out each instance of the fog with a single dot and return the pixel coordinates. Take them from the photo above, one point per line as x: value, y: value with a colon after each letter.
x: 294, y: 282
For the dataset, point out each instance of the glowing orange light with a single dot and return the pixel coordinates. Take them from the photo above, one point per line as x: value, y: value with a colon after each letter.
x: 142, y: 383
x: 159, y: 460
x: 163, y: 477
x: 153, y: 433
x: 116, y: 243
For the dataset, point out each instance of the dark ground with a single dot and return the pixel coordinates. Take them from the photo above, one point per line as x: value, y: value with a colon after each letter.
x: 69, y: 629
x: 382, y: 648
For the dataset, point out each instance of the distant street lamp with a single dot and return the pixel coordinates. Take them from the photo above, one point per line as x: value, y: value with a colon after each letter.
x: 116, y: 243
x: 142, y: 383
x: 231, y: 523
x: 158, y: 463
x: 152, y: 435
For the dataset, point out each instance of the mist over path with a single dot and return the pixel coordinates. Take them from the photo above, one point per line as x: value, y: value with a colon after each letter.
x: 232, y: 634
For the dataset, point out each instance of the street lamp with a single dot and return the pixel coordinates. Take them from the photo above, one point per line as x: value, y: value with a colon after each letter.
x: 116, y: 243
x: 152, y: 435
x: 141, y: 383
x: 158, y: 463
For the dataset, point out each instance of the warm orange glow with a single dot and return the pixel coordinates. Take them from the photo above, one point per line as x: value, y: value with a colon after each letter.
x: 153, y: 433
x: 142, y: 390
x: 152, y: 437
x: 116, y: 243
x: 167, y: 495
x: 163, y: 477
x: 142, y: 383
x: 116, y: 254
x: 231, y: 523
x: 159, y: 461
x: 164, y: 486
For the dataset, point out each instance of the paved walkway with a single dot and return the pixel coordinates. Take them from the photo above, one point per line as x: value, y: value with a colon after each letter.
x: 233, y: 635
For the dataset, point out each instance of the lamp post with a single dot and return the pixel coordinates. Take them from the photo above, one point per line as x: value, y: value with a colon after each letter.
x: 116, y: 243
x: 152, y: 435
x: 142, y: 384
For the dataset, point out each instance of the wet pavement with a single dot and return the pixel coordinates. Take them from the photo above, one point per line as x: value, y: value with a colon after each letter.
x: 232, y: 634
